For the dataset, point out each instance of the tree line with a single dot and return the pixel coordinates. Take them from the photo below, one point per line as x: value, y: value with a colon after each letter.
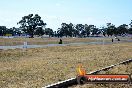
x: 34, y: 25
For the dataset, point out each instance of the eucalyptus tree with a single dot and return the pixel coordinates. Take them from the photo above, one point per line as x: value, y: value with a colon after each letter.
x: 30, y: 23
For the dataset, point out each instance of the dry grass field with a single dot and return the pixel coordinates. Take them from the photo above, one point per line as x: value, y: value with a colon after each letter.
x: 34, y: 68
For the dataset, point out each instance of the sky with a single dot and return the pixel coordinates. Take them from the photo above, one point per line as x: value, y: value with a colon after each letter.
x: 55, y: 12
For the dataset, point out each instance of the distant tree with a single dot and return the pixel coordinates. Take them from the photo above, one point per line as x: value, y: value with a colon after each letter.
x: 10, y: 31
x: 30, y: 23
x: 130, y: 24
x: 87, y: 29
x: 3, y: 30
x: 74, y: 32
x: 94, y: 30
x: 49, y: 31
x: 122, y: 29
x: 111, y: 29
x: 64, y: 29
x: 55, y: 33
x: 16, y: 31
x: 80, y: 30
x: 39, y: 31
x: 59, y: 32
x: 130, y: 29
x: 103, y: 30
x: 91, y: 29
x: 71, y: 30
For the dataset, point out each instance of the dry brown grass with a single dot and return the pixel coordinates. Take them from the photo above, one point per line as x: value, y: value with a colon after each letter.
x: 34, y: 68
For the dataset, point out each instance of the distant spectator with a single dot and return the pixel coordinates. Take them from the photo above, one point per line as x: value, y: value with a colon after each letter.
x: 118, y: 39
x: 60, y: 41
x: 112, y: 40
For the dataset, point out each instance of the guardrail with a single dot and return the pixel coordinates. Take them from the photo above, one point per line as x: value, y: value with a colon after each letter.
x: 73, y: 81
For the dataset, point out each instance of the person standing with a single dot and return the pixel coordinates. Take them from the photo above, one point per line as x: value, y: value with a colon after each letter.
x: 60, y: 41
x: 112, y: 40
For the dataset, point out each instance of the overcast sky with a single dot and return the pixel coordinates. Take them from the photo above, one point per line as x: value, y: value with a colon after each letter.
x: 54, y: 12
